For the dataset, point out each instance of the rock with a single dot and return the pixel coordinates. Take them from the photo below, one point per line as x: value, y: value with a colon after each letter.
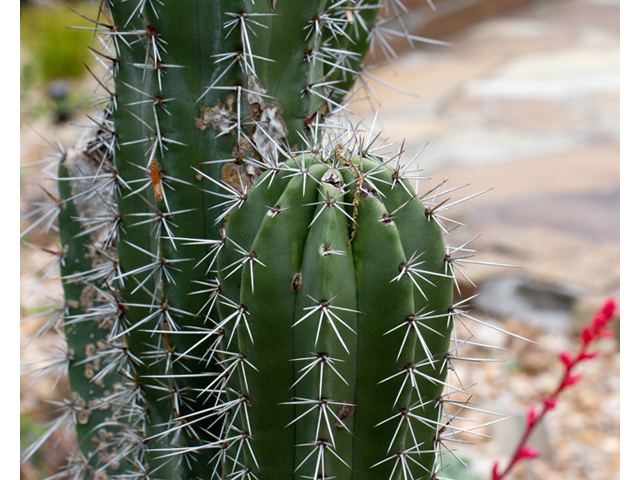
x: 544, y: 304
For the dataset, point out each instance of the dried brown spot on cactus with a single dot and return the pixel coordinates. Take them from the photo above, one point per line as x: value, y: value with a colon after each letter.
x: 231, y: 176
x: 344, y: 412
x: 222, y: 117
x: 86, y: 298
x: 154, y: 173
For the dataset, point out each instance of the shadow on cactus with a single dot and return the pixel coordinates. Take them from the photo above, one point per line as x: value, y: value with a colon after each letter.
x: 253, y: 289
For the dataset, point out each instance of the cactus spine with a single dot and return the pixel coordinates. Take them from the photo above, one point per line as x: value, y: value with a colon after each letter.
x: 245, y: 298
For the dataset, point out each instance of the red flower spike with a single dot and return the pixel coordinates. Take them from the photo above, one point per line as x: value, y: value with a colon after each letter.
x: 590, y: 332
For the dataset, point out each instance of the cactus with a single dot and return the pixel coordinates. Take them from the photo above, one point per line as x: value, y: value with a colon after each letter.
x: 252, y: 289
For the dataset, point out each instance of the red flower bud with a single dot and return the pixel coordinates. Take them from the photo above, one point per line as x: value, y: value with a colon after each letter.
x: 587, y: 334
x: 599, y: 321
x: 566, y: 359
x: 495, y: 475
x: 587, y: 355
x: 528, y: 452
x: 532, y: 416
x: 571, y: 379
x: 549, y: 402
x: 608, y: 309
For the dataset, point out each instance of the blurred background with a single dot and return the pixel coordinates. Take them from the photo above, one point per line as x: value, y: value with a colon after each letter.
x: 525, y: 101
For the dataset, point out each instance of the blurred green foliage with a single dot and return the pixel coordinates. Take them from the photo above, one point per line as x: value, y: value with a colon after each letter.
x: 51, y: 49
x: 30, y: 430
x: 48, y: 459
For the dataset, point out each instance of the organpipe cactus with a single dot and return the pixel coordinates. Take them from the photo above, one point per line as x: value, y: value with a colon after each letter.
x: 252, y: 289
